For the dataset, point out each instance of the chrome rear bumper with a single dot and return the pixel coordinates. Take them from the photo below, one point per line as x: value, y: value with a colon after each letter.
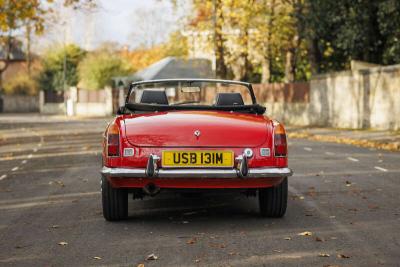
x: 197, y: 173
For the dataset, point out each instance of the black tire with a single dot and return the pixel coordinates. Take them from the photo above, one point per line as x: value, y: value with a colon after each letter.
x: 273, y: 200
x: 114, y: 200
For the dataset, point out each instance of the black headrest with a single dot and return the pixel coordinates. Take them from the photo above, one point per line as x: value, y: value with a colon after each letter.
x: 154, y: 97
x: 229, y: 99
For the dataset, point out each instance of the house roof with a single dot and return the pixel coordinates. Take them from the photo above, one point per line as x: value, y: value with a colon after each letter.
x: 172, y: 67
x: 169, y: 68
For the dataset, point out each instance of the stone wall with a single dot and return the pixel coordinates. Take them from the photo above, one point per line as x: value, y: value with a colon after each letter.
x: 19, y: 103
x: 359, y: 99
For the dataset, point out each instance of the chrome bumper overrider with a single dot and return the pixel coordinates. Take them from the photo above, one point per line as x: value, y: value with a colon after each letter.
x: 196, y: 173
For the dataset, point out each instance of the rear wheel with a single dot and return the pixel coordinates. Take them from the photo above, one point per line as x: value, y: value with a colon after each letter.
x: 273, y: 200
x: 114, y: 200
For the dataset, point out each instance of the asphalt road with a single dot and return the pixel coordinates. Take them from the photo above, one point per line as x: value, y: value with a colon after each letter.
x: 50, y: 210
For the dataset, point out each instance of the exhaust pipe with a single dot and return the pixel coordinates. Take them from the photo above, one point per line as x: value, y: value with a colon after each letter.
x: 151, y: 189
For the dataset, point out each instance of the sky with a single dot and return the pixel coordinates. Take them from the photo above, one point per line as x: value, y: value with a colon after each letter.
x: 127, y: 22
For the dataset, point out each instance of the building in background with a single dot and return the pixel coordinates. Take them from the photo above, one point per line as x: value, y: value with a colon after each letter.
x: 17, y: 62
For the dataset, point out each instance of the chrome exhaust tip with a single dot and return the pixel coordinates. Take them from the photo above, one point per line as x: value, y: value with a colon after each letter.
x: 151, y: 189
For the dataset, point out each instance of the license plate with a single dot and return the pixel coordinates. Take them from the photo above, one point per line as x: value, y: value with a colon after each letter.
x: 202, y: 158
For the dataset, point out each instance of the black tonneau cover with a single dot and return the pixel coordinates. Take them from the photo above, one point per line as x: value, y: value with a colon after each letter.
x: 255, y: 108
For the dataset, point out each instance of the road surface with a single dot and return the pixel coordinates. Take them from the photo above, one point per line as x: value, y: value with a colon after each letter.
x: 344, y: 208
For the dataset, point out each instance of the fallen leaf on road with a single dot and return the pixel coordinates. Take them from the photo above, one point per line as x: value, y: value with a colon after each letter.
x: 140, y: 265
x: 63, y: 243
x: 55, y: 226
x: 301, y: 198
x: 196, y: 260
x: 348, y: 183
x: 318, y: 239
x: 373, y: 207
x: 288, y: 238
x: 311, y: 192
x: 342, y: 256
x: 151, y: 257
x: 191, y: 241
x: 278, y: 251
x: 305, y: 233
x: 323, y: 255
x: 97, y: 258
x: 332, y: 217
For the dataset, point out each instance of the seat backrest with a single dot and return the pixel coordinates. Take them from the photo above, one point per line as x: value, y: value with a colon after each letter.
x: 229, y: 99
x: 154, y: 97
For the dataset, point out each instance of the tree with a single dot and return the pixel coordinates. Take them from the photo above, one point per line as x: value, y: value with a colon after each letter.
x: 17, y: 15
x: 142, y: 57
x: 388, y: 16
x: 52, y: 76
x: 14, y: 15
x: 209, y: 20
x: 251, y: 38
x: 288, y: 40
x: 97, y: 68
x: 338, y: 32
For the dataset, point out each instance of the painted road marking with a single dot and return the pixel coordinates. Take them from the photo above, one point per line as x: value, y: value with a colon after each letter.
x: 308, y: 149
x: 353, y: 159
x: 15, y: 169
x: 329, y: 153
x: 4, y: 176
x: 380, y: 168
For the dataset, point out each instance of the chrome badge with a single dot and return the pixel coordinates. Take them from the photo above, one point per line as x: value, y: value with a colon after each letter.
x: 197, y: 133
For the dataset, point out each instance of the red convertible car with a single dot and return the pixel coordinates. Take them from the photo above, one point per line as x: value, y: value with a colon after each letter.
x: 193, y: 134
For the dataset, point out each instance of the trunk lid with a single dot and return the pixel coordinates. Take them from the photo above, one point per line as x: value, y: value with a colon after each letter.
x: 177, y: 129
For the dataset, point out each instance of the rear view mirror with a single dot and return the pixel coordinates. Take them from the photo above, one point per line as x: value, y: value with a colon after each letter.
x: 190, y: 89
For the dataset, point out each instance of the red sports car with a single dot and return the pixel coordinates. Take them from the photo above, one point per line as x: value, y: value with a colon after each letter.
x: 193, y: 134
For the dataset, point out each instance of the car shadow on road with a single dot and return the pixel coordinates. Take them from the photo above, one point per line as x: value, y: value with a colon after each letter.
x: 171, y: 206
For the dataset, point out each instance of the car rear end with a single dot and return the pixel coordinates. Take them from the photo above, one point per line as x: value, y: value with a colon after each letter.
x: 144, y: 154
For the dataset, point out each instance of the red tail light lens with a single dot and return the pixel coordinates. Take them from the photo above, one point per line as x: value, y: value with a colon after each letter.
x: 280, y: 142
x: 113, y: 141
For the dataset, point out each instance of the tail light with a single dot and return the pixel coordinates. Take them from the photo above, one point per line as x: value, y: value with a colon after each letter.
x: 280, y: 142
x: 113, y: 141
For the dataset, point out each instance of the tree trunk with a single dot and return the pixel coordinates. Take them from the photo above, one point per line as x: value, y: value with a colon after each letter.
x: 245, y: 55
x: 314, y: 56
x: 28, y: 48
x: 291, y: 59
x: 266, y: 71
x: 219, y: 42
x: 289, y: 75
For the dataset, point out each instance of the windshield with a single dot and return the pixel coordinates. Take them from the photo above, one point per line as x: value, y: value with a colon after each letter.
x: 209, y: 93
